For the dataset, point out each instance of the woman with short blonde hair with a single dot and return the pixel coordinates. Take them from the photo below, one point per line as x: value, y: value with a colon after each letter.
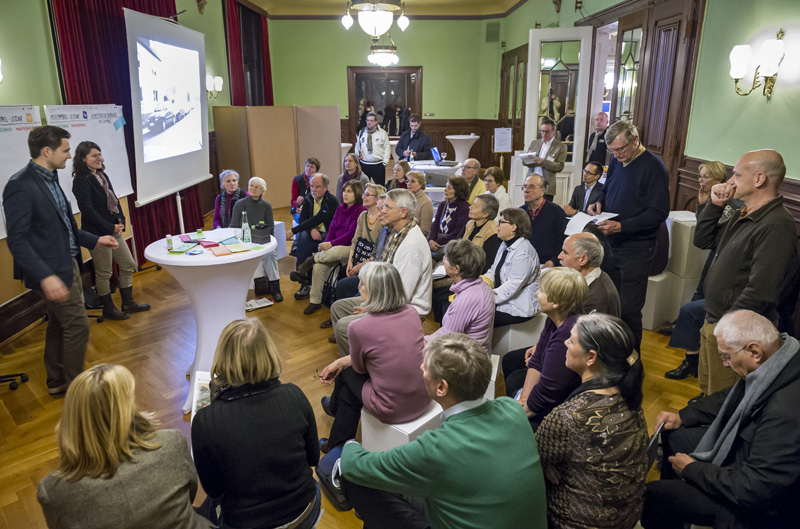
x: 424, y: 213
x: 255, y: 444
x: 381, y: 373
x: 109, y: 450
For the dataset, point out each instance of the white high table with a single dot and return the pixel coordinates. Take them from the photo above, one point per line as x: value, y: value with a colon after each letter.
x: 462, y: 144
x: 217, y: 289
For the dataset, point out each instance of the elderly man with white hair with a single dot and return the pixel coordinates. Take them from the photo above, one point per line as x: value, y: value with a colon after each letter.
x: 584, y: 252
x: 259, y: 210
x: 732, y: 459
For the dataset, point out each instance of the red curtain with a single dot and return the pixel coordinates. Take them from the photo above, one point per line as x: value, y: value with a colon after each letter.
x: 268, y: 96
x: 94, y: 67
x: 235, y: 58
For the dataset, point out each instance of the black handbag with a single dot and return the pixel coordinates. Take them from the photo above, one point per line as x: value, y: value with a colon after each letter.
x: 329, y: 288
x: 363, y: 251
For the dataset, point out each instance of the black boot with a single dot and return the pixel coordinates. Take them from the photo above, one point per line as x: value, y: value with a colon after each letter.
x: 685, y: 370
x: 110, y: 311
x: 128, y: 305
x: 275, y: 286
x: 261, y: 286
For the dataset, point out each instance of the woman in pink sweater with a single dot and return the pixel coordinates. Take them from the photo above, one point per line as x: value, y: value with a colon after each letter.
x: 382, y: 372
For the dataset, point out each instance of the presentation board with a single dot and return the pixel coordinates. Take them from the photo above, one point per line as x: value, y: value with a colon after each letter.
x: 16, y: 122
x: 167, y: 63
x: 101, y: 124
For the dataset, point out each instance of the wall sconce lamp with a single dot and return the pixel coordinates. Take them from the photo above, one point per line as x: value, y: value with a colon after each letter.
x: 1, y: 72
x: 213, y: 86
x: 769, y: 59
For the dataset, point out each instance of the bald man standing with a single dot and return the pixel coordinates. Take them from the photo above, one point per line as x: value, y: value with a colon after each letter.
x: 756, y: 254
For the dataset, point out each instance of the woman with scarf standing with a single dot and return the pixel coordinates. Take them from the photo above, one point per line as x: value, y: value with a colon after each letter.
x: 373, y: 150
x: 231, y: 192
x: 352, y: 171
x: 101, y: 214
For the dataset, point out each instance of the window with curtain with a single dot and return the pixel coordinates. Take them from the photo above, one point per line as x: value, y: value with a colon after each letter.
x: 252, y: 55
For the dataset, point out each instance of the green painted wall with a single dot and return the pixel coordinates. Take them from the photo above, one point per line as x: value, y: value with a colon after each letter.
x: 517, y: 25
x: 27, y: 54
x: 211, y: 24
x: 310, y: 59
x: 725, y: 125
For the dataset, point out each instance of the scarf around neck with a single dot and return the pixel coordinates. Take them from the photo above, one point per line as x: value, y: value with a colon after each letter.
x: 394, y: 241
x: 111, y: 198
x: 225, y: 208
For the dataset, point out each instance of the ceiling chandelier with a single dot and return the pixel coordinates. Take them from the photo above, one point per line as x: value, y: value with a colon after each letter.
x: 383, y: 54
x: 375, y: 18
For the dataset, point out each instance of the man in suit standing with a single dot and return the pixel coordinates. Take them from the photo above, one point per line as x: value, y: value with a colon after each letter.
x: 414, y: 144
x: 45, y: 241
x: 597, y: 150
x: 588, y: 192
x: 550, y: 156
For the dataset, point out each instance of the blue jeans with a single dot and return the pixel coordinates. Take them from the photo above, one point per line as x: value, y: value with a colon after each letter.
x: 306, y: 246
x: 687, y: 327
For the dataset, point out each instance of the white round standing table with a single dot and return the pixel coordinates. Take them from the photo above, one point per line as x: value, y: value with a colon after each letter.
x: 217, y: 289
x: 462, y: 144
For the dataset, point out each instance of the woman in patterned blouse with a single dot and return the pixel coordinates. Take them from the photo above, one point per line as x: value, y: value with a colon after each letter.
x: 594, y: 445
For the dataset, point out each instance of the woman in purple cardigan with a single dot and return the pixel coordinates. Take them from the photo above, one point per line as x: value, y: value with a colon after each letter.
x: 538, y: 377
x: 335, y: 250
x: 451, y: 217
x: 231, y: 192
x: 472, y: 309
x: 382, y: 372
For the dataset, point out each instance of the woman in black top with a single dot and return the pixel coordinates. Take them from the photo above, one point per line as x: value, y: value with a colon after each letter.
x: 101, y: 214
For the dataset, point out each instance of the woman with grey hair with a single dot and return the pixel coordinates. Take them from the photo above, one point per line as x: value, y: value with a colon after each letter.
x: 231, y: 193
x: 382, y: 371
x: 594, y: 445
x: 259, y: 212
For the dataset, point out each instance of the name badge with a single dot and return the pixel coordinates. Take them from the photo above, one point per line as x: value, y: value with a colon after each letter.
x: 551, y: 158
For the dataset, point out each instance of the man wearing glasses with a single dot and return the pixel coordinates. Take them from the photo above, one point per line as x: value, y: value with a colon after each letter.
x: 637, y: 190
x: 588, y: 192
x: 550, y: 155
x: 731, y: 459
x: 548, y: 221
x: 469, y: 170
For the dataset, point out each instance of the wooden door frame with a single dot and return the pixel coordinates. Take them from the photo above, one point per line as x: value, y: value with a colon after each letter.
x: 520, y: 56
x: 351, y: 90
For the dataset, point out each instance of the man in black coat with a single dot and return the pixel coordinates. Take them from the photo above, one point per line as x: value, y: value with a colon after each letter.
x: 588, y: 192
x: 414, y: 142
x: 45, y: 242
x: 597, y: 150
x: 737, y: 451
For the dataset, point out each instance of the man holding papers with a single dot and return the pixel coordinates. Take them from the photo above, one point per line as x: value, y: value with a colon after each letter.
x: 549, y: 156
x: 637, y: 189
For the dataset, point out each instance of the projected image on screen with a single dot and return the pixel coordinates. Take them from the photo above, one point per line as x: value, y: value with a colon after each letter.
x: 169, y: 84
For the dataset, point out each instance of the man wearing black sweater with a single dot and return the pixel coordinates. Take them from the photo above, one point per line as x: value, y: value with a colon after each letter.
x: 637, y: 190
x: 548, y: 221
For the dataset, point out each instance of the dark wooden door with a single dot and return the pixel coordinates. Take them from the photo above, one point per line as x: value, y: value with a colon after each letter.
x: 513, y: 83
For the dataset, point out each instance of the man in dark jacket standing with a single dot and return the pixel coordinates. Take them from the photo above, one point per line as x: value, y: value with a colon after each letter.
x: 414, y: 144
x: 755, y: 257
x: 737, y: 451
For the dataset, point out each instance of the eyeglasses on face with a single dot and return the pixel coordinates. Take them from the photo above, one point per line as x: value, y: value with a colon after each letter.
x: 530, y: 188
x: 503, y: 221
x: 726, y: 357
x: 591, y: 173
x: 615, y: 151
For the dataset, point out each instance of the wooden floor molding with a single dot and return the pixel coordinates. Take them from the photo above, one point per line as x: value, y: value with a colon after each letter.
x: 158, y: 346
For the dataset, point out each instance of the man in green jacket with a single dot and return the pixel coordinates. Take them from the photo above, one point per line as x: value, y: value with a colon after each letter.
x: 480, y: 469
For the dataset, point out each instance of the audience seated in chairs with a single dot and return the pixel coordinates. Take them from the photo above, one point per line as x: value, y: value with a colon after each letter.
x: 451, y: 217
x: 334, y: 250
x: 301, y: 185
x: 515, y: 270
x: 480, y: 469
x: 424, y: 211
x: 540, y: 374
x: 114, y: 468
x: 400, y: 180
x: 231, y: 193
x: 472, y: 310
x: 255, y: 444
x: 584, y: 253
x: 319, y: 206
x: 351, y: 172
x: 732, y: 459
x: 494, y: 178
x: 594, y: 445
x: 381, y: 373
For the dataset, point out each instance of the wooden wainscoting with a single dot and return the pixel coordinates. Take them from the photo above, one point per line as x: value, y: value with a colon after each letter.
x: 688, y: 185
x: 437, y: 129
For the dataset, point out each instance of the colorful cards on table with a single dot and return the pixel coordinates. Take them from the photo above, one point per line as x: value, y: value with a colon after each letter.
x: 220, y: 250
x: 183, y: 248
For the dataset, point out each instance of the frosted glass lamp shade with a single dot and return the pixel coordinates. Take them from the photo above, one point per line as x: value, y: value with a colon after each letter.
x: 209, y: 83
x: 375, y: 23
x: 218, y: 83
x: 740, y: 60
x: 402, y: 22
x: 770, y: 56
x: 347, y: 20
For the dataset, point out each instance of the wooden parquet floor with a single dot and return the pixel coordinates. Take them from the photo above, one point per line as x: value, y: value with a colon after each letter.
x: 158, y: 346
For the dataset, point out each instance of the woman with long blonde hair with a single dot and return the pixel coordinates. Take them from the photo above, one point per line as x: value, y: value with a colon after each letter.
x: 115, y: 469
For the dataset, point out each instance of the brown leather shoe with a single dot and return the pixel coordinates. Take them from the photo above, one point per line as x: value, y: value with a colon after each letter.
x: 312, y: 308
x: 332, y: 338
x: 327, y: 324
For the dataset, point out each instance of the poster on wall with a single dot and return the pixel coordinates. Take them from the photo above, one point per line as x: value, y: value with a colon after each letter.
x: 16, y: 122
x: 103, y: 125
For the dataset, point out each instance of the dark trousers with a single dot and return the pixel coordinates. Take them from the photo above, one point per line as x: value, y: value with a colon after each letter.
x: 305, y: 247
x: 385, y: 510
x: 633, y: 259
x: 502, y: 319
x: 671, y: 502
x: 67, y: 334
x: 346, y: 406
x: 514, y: 371
x: 376, y: 172
x: 347, y: 287
x: 687, y: 327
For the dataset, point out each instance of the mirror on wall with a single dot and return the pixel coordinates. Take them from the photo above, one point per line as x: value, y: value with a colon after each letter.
x: 628, y: 80
x: 558, y: 87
